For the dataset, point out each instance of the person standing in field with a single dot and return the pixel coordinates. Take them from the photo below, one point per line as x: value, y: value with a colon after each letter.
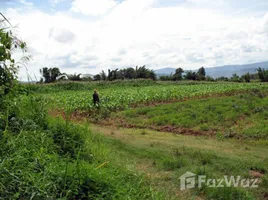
x: 96, y: 99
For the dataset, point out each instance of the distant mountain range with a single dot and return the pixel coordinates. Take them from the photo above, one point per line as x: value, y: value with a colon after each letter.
x: 226, y: 70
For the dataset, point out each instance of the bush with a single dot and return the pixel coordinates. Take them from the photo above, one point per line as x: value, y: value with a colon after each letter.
x: 68, y: 139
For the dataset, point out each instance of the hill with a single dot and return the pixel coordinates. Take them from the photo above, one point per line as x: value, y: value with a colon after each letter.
x: 226, y: 70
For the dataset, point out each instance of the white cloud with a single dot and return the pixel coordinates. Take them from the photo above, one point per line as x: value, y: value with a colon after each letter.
x: 134, y: 33
x: 62, y: 35
x: 92, y: 7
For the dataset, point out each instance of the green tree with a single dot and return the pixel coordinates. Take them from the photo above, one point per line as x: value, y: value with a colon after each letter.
x: 145, y: 73
x: 103, y: 76
x: 190, y: 75
x: 202, y: 71
x: 209, y: 78
x: 74, y: 77
x: 166, y: 78
x: 222, y: 78
x: 8, y: 66
x: 112, y: 74
x: 201, y: 74
x: 235, y: 78
x: 178, y: 74
x: 130, y: 73
x: 263, y: 74
x: 8, y: 70
x: 50, y: 74
x: 97, y: 77
x: 246, y: 77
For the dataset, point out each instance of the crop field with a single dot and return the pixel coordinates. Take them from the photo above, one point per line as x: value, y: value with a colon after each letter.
x: 121, y: 97
x: 241, y: 115
x: 93, y: 107
x: 161, y: 130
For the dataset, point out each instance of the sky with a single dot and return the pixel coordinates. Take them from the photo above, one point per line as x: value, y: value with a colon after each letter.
x: 87, y: 36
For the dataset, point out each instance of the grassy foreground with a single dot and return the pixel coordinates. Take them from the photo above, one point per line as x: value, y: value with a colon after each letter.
x: 47, y: 158
x: 164, y: 157
x: 44, y: 157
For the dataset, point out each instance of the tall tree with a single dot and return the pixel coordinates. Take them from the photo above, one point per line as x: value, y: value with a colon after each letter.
x: 74, y: 77
x: 103, y: 76
x: 202, y: 71
x: 246, y: 77
x: 50, y: 74
x: 178, y: 74
x: 263, y: 74
x: 190, y: 75
x: 97, y: 77
x: 145, y: 73
x: 130, y: 73
x: 201, y: 74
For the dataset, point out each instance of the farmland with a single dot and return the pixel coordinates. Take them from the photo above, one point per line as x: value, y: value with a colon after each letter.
x: 87, y: 128
x: 119, y: 96
x: 161, y: 130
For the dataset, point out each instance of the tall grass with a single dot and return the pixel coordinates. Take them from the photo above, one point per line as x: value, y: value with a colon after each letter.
x: 45, y: 158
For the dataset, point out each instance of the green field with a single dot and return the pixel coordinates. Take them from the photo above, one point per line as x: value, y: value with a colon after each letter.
x: 159, y: 131
x: 137, y: 143
x: 93, y: 108
x: 123, y: 95
x: 241, y: 115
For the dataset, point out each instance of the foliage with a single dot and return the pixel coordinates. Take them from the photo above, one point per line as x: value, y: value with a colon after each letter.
x: 222, y: 78
x: 209, y: 78
x: 263, y: 74
x: 246, y: 77
x: 97, y: 77
x: 71, y: 77
x: 103, y: 76
x: 201, y: 74
x: 235, y: 78
x: 128, y: 73
x: 166, y: 78
x: 8, y: 68
x: 178, y: 75
x: 143, y: 72
x: 9, y: 87
x: 190, y: 75
x: 50, y: 74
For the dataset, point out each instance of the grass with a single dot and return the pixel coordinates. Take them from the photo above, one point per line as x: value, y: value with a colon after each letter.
x: 47, y: 158
x: 243, y: 115
x: 165, y: 157
x: 43, y: 157
x: 118, y: 96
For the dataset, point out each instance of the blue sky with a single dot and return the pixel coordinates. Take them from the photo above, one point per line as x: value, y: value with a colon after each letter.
x: 86, y: 36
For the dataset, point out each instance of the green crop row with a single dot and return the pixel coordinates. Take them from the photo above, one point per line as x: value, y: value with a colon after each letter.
x: 119, y: 97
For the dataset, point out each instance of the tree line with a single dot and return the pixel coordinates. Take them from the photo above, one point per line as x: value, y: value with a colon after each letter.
x: 50, y: 75
x: 128, y: 73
